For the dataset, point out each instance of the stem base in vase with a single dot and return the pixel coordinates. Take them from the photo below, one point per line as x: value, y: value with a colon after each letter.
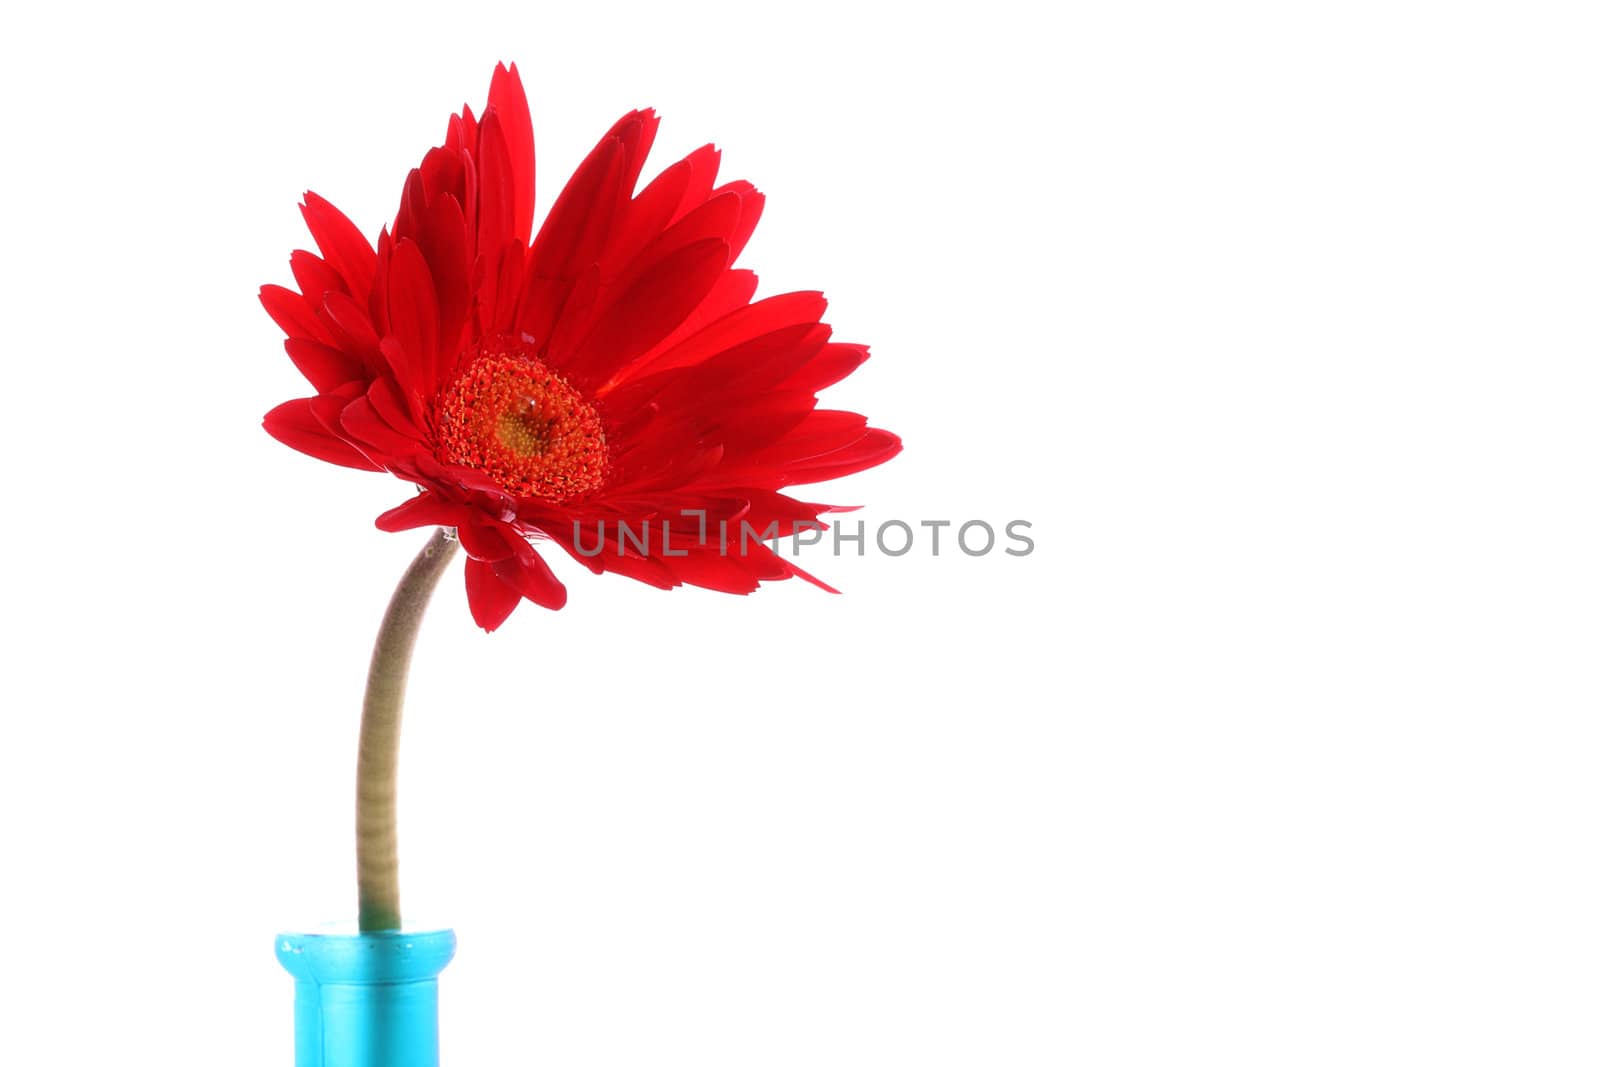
x: 366, y: 999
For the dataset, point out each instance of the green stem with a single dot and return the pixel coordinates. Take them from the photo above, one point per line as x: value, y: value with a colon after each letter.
x: 377, y: 767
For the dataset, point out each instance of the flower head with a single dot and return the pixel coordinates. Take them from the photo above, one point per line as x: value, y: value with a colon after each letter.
x: 606, y: 376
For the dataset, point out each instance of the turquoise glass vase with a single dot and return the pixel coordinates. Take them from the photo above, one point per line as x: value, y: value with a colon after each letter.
x: 366, y: 1000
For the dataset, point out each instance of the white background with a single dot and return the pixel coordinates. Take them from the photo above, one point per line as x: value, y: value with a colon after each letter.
x: 1277, y: 321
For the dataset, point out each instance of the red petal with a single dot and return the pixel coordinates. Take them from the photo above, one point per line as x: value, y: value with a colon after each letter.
x: 350, y: 326
x: 413, y: 205
x: 325, y: 368
x: 760, y: 420
x: 341, y: 243
x: 497, y: 192
x: 313, y: 275
x: 328, y: 406
x: 653, y: 306
x: 767, y: 506
x: 444, y: 173
x: 712, y: 570
x: 834, y: 363
x: 821, y: 433
x: 639, y: 568
x: 492, y: 601
x: 293, y: 314
x: 497, y: 284
x: 424, y: 509
x: 743, y: 324
x: 577, y: 318
x: 361, y: 422
x: 808, y: 576
x: 488, y: 541
x: 750, y: 204
x: 462, y: 131
x: 756, y: 366
x: 507, y: 98
x: 414, y: 317
x: 532, y: 577
x: 446, y: 247
x: 732, y: 292
x: 651, y: 212
x: 294, y: 425
x: 718, y: 217
x: 392, y: 407
x: 637, y: 132
x: 703, y: 165
x: 570, y: 238
x: 873, y: 448
x: 378, y: 299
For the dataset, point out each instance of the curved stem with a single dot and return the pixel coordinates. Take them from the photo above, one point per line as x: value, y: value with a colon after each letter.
x: 377, y: 855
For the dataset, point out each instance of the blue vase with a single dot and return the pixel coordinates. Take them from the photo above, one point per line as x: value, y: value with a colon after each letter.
x: 366, y: 1000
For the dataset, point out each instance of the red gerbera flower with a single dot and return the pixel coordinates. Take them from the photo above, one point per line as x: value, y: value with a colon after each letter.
x: 609, y: 378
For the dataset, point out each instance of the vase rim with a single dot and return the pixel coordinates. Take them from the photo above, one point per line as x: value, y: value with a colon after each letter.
x: 336, y: 957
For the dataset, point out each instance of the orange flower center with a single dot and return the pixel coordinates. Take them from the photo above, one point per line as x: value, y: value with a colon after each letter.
x: 512, y: 418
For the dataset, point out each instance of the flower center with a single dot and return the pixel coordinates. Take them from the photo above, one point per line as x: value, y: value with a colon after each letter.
x: 512, y: 418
